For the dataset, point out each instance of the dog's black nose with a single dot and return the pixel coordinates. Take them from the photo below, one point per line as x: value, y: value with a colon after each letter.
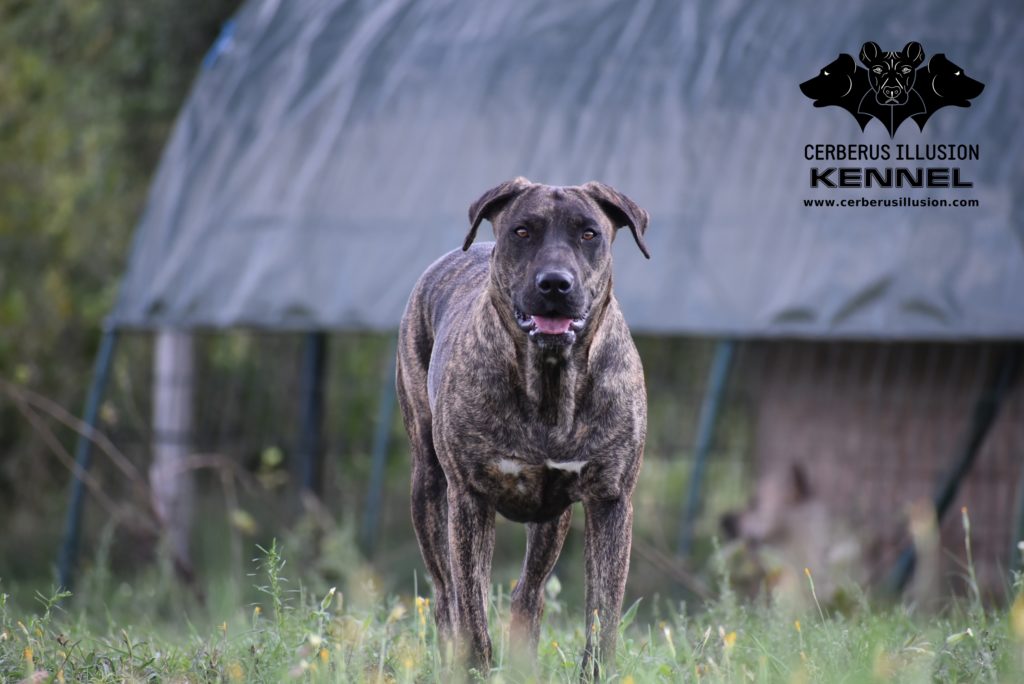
x: 554, y: 282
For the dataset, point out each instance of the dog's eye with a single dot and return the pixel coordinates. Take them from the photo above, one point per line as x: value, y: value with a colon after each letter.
x: 589, y: 234
x: 906, y: 70
x: 824, y: 72
x: 956, y: 73
x: 877, y: 70
x: 522, y: 232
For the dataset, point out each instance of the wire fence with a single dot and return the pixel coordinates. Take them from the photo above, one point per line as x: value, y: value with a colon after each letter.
x: 876, y: 426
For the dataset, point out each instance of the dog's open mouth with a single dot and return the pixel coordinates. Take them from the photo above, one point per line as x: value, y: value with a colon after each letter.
x: 552, y: 329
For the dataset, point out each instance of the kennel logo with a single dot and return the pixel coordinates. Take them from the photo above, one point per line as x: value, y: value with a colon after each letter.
x: 892, y: 86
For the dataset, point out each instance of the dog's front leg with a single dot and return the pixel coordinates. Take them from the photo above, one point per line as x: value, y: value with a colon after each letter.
x: 609, y: 535
x: 543, y: 544
x: 471, y: 542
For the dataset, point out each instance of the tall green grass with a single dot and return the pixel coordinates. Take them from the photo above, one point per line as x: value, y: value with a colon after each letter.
x: 154, y: 630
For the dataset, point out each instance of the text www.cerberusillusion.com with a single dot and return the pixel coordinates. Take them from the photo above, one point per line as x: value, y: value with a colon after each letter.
x: 925, y: 202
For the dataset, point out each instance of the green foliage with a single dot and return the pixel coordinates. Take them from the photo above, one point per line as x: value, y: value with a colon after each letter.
x: 88, y: 93
x: 322, y: 637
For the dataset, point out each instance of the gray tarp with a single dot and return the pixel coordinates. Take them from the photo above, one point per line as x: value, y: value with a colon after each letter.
x: 331, y: 148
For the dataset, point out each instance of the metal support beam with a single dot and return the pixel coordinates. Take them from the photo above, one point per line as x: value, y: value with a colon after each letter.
x: 67, y: 562
x: 1018, y: 532
x: 986, y: 410
x: 381, y: 445
x: 310, y: 452
x: 709, y: 410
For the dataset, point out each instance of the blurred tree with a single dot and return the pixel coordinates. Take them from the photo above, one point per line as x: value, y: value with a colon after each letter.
x: 88, y: 93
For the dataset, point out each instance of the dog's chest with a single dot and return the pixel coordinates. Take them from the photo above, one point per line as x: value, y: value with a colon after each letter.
x: 529, y: 483
x: 533, y: 438
x: 531, y: 469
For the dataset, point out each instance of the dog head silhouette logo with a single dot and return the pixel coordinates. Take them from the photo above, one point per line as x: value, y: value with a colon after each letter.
x: 944, y: 84
x: 839, y: 84
x: 891, y: 86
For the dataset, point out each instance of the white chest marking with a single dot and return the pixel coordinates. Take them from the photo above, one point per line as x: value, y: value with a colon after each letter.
x: 567, y: 466
x: 509, y: 467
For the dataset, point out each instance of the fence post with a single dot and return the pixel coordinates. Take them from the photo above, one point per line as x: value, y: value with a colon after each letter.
x: 170, y: 481
x: 314, y: 358
x: 709, y: 410
x: 381, y: 443
x: 986, y: 410
x: 83, y: 458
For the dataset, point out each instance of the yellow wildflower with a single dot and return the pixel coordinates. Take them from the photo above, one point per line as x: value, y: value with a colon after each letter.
x: 1017, y: 617
x: 397, y: 613
x: 235, y: 672
x: 668, y: 639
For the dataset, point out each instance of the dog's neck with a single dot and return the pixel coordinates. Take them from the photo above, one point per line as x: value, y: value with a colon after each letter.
x: 553, y: 376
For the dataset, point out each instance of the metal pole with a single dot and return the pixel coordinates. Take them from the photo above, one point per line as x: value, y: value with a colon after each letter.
x: 709, y: 410
x: 1018, y: 532
x: 381, y: 442
x: 986, y: 409
x: 314, y: 359
x: 83, y: 458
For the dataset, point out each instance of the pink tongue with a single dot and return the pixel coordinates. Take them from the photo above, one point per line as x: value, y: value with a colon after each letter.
x: 552, y: 326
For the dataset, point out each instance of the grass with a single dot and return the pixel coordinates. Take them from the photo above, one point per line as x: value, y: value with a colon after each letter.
x: 142, y: 633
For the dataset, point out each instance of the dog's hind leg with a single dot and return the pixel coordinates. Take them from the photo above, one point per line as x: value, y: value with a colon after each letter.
x: 429, y: 506
x: 543, y: 544
x: 471, y: 541
x: 609, y: 536
x: 430, y: 521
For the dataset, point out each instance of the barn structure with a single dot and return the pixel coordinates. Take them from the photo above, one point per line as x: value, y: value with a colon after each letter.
x: 329, y: 150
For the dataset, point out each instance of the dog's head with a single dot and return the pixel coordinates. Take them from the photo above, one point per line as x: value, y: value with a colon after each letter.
x: 552, y: 258
x: 834, y: 82
x: 892, y: 74
x: 948, y: 82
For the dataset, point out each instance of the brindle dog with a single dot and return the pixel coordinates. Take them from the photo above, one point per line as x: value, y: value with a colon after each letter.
x: 522, y: 393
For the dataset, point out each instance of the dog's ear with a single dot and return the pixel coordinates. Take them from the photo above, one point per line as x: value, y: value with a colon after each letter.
x: 845, y: 63
x: 869, y: 53
x: 490, y: 203
x: 621, y: 210
x: 914, y: 52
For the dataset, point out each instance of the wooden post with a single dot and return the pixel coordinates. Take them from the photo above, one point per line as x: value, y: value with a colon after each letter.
x: 170, y: 479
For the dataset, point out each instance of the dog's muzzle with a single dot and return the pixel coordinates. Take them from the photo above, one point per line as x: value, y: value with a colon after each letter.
x: 892, y: 95
x: 551, y: 330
